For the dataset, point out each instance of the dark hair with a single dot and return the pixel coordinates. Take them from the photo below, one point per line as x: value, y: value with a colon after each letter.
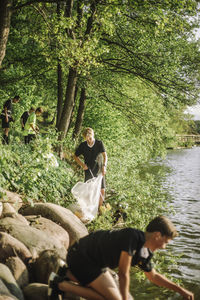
x: 39, y: 109
x: 163, y: 225
x: 17, y: 97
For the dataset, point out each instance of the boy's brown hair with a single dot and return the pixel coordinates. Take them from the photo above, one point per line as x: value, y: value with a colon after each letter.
x: 163, y: 225
x: 88, y: 131
x: 39, y: 110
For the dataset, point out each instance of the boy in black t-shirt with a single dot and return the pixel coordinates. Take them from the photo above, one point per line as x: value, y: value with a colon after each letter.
x: 91, y: 150
x: 89, y: 258
x: 24, y: 118
x: 6, y: 116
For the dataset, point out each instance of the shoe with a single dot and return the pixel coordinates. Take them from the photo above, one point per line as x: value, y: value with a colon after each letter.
x: 62, y: 269
x: 53, y: 291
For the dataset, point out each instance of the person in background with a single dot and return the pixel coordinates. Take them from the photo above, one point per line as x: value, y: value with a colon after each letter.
x: 24, y: 118
x: 89, y: 258
x: 91, y: 149
x: 6, y: 116
x: 30, y: 128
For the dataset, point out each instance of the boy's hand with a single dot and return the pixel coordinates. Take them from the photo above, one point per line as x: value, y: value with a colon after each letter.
x: 85, y: 167
x: 187, y: 294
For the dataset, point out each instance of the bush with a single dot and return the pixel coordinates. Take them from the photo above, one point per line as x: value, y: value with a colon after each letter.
x: 36, y: 172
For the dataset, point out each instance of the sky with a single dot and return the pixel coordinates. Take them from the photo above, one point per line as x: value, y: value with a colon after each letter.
x: 195, y: 110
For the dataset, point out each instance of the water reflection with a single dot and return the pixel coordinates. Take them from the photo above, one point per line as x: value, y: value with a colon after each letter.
x: 185, y: 181
x: 183, y: 184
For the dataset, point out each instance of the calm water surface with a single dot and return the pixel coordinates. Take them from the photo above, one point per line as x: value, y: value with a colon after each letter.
x: 183, y: 185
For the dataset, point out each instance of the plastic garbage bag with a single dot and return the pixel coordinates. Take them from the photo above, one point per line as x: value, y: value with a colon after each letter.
x: 51, y: 159
x: 87, y: 198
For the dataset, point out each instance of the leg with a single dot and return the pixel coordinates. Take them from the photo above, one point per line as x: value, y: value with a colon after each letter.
x: 31, y: 137
x: 106, y: 286
x: 60, y: 285
x: 102, y: 196
x: 5, y: 136
x: 6, y: 131
x: 102, y: 288
x: 81, y: 291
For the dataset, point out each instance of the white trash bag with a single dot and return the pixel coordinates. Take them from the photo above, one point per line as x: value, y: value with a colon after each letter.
x: 87, y: 195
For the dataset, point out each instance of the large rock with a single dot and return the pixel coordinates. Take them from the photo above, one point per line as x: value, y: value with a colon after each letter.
x: 9, y: 211
x: 19, y: 270
x: 1, y: 209
x: 35, y: 240
x: 36, y: 291
x: 5, y: 293
x: 60, y: 215
x: 9, y: 246
x: 50, y: 228
x: 13, y: 198
x: 47, y: 262
x: 4, y: 297
x: 10, y: 282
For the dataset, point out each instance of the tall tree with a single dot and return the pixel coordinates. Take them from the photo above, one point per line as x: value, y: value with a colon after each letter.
x: 148, y: 40
x: 5, y: 17
x: 80, y: 114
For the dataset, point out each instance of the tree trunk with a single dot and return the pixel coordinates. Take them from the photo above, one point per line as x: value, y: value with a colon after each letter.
x: 72, y: 114
x: 59, y: 82
x: 5, y: 17
x: 80, y: 114
x: 60, y: 94
x: 68, y: 105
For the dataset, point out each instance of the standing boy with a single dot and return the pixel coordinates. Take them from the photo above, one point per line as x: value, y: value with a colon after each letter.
x: 6, y: 117
x: 31, y: 129
x: 24, y: 118
x: 91, y: 149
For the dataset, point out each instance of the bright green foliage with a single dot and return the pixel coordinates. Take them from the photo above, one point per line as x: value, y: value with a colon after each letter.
x: 32, y: 171
x: 139, y: 64
x: 146, y: 39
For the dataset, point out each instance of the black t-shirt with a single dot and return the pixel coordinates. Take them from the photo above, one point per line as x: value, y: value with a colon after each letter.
x: 24, y: 117
x: 104, y: 248
x: 8, y: 106
x: 90, y: 153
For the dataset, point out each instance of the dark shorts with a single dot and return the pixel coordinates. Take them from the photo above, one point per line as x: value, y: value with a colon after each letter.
x: 88, y: 176
x: 5, y: 124
x: 82, y: 267
x: 29, y: 138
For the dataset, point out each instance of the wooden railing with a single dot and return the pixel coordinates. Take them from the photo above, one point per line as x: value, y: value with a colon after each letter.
x: 189, y: 138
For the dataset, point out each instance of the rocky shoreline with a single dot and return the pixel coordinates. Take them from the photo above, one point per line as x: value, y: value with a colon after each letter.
x: 33, y: 240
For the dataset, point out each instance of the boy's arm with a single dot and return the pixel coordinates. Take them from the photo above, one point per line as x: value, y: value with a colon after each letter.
x: 80, y: 163
x: 105, y: 160
x: 124, y: 274
x: 161, y: 280
x: 6, y: 113
x: 33, y: 126
x: 22, y: 123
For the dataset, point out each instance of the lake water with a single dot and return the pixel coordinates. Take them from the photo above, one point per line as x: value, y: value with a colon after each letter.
x: 183, y: 186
